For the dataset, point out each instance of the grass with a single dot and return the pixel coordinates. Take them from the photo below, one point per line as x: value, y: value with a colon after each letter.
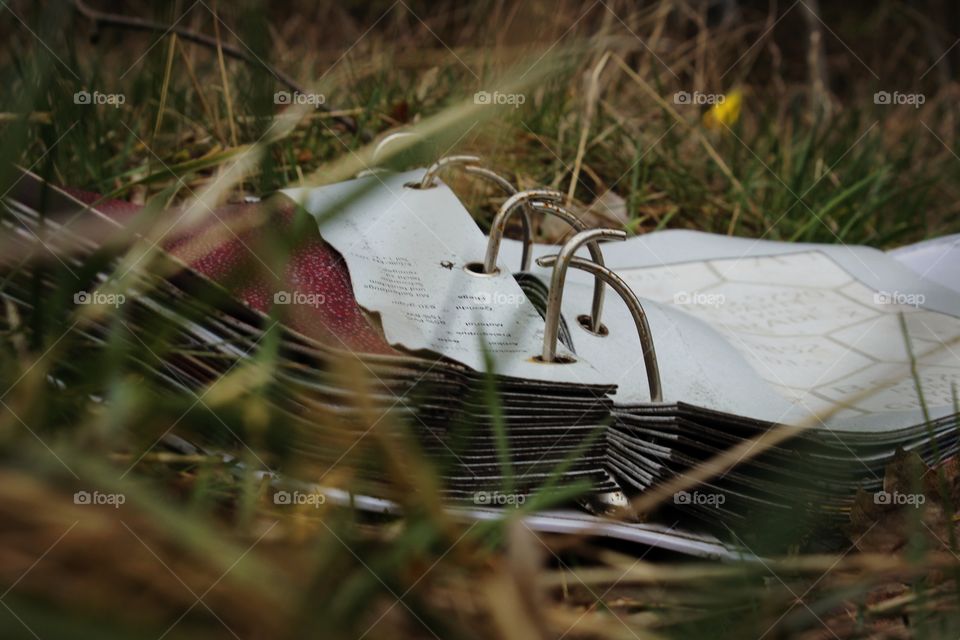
x: 198, y: 549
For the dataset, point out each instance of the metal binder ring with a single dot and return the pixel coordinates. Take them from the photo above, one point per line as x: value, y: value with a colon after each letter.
x: 500, y: 221
x: 596, y: 309
x: 545, y: 202
x: 378, y: 150
x: 471, y: 165
x: 430, y: 175
x: 387, y: 140
x: 559, y: 277
x: 633, y: 304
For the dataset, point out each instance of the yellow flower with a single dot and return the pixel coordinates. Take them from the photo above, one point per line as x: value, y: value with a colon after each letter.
x: 725, y: 113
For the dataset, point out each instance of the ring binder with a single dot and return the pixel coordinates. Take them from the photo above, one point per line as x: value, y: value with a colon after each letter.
x: 557, y: 279
x: 633, y: 304
x: 720, y: 398
x: 743, y: 323
x: 546, y: 202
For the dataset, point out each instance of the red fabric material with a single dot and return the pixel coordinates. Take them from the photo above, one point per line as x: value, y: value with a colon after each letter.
x: 316, y: 275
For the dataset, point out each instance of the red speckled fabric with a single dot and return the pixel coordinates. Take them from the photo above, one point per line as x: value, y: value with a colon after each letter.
x: 314, y: 272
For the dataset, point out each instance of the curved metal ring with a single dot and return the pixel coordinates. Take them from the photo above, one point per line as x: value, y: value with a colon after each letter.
x: 396, y: 135
x: 636, y: 310
x: 377, y: 150
x: 471, y: 165
x: 506, y: 210
x: 596, y: 308
x: 546, y: 202
x: 430, y: 175
x: 559, y: 277
x: 526, y: 256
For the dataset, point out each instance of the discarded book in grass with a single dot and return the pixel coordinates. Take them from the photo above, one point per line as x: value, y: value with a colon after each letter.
x: 732, y: 337
x: 516, y: 383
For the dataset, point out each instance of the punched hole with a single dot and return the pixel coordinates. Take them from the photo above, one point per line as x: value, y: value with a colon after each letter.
x: 586, y: 322
x: 420, y: 187
x: 556, y: 360
x: 476, y: 269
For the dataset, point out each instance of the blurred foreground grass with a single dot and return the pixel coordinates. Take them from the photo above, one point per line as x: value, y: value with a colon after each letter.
x: 197, y: 549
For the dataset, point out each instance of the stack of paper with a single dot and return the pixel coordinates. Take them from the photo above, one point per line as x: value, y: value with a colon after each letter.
x: 553, y: 431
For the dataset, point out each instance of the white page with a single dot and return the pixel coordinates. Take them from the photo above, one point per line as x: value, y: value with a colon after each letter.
x: 406, y: 250
x: 697, y: 365
x: 810, y: 329
x: 937, y: 260
x: 873, y: 268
